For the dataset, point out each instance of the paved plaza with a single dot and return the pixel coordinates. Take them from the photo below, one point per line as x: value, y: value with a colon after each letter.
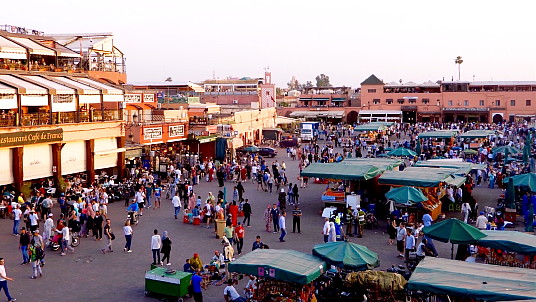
x: 91, y: 276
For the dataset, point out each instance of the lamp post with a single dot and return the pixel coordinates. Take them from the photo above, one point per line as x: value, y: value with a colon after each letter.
x: 169, y: 80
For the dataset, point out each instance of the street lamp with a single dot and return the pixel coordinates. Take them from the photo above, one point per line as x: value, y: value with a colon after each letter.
x: 169, y: 80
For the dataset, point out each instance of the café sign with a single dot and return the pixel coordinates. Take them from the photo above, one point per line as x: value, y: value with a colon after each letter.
x: 30, y: 137
x: 176, y: 130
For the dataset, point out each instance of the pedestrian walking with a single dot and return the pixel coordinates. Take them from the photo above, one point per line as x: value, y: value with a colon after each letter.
x: 24, y: 242
x: 466, y: 209
x: 47, y: 229
x: 282, y: 226
x: 268, y: 218
x: 3, y: 281
x: 176, y: 201
x: 246, y: 209
x: 400, y: 239
x: 410, y: 243
x: 325, y: 229
x: 196, y: 287
x: 35, y: 259
x: 239, y: 237
x: 166, y: 247
x: 98, y: 220
x: 17, y: 215
x: 65, y: 240
x: 296, y: 219
x: 156, y: 245
x: 274, y: 212
x: 109, y: 236
x: 127, y: 230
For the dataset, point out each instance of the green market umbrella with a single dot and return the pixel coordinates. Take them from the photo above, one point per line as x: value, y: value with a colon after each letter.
x: 406, y: 195
x: 470, y: 151
x: 525, y: 180
x: 402, y: 152
x: 251, y: 149
x: 347, y: 255
x: 454, y: 231
x: 505, y: 149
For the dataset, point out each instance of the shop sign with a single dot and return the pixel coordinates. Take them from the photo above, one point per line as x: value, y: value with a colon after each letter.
x: 176, y: 130
x: 133, y: 98
x: 152, y: 133
x: 30, y: 137
x: 148, y: 98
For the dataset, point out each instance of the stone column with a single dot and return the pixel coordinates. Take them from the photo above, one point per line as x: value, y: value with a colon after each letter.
x: 90, y: 161
x: 17, y: 167
x: 56, y: 162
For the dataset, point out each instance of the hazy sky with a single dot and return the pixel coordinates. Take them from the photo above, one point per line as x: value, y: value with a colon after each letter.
x: 346, y: 40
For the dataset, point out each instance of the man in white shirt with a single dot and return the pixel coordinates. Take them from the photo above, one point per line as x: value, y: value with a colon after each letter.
x: 140, y: 199
x: 481, y: 221
x: 65, y: 240
x: 325, y: 230
x: 3, y: 281
x: 34, y: 220
x: 156, y: 245
x: 282, y: 226
x: 17, y: 213
x: 176, y: 201
x: 230, y: 294
x: 466, y: 208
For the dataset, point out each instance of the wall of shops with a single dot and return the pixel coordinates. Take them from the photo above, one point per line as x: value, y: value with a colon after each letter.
x: 53, y: 151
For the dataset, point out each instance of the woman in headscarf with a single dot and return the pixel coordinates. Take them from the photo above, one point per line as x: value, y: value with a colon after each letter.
x: 195, y: 262
x: 268, y: 218
x: 332, y: 237
x: 166, y: 247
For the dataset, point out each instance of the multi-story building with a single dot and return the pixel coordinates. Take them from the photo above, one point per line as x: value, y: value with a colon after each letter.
x: 449, y: 101
x: 54, y: 119
x: 248, y: 92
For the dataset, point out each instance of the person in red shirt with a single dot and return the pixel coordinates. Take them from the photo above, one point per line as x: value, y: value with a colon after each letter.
x: 240, y: 232
x: 233, y: 210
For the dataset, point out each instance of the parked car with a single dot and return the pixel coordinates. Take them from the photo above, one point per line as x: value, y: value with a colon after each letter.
x: 267, y: 152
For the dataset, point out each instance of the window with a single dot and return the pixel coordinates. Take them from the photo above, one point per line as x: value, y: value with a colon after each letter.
x: 389, y: 101
x: 512, y: 102
x: 450, y: 103
x: 376, y: 101
x: 527, y: 103
x: 497, y: 102
x: 412, y: 101
x: 425, y: 101
x: 481, y: 102
x: 371, y: 90
x: 466, y: 103
x: 400, y: 101
x: 267, y: 92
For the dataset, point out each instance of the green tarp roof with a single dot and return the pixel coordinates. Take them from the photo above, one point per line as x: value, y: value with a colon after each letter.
x: 370, y: 127
x: 449, y: 164
x: 381, y: 163
x: 438, y: 134
x: 473, y: 280
x: 285, y: 265
x: 347, y: 254
x: 422, y: 177
x: 519, y: 242
x: 341, y: 171
x: 477, y: 133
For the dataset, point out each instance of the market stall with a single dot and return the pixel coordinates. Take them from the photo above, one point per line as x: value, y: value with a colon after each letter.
x: 347, y: 255
x: 509, y: 248
x: 285, y: 274
x: 474, y: 139
x: 477, y: 281
x: 370, y: 132
x: 439, y: 137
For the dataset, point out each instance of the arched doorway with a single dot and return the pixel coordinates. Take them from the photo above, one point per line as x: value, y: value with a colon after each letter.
x: 351, y: 117
x: 497, y: 118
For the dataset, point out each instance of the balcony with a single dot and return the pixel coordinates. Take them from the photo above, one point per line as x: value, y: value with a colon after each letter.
x: 46, y: 118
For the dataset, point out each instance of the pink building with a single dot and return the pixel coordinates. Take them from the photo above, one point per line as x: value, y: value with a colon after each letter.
x: 488, y: 101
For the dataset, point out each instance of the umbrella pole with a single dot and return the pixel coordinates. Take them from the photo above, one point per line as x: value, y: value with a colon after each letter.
x: 452, y: 252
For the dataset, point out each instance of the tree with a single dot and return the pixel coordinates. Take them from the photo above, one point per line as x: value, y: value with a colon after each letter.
x: 322, y: 80
x: 293, y: 84
x: 458, y: 61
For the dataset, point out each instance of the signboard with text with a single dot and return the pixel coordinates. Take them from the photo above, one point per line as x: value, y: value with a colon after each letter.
x: 30, y: 137
x: 152, y: 133
x: 176, y: 131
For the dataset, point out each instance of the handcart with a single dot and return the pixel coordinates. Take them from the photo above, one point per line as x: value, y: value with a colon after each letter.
x: 168, y: 283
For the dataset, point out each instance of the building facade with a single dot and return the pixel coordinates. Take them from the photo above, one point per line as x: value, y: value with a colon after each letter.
x: 451, y: 101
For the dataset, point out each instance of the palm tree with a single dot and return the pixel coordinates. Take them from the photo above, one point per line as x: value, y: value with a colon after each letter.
x: 458, y: 61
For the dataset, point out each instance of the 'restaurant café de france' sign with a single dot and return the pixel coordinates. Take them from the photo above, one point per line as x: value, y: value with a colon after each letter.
x: 30, y: 137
